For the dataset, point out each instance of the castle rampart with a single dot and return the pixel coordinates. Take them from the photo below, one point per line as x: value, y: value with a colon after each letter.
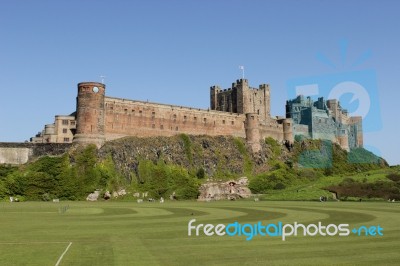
x: 138, y: 118
x: 240, y: 111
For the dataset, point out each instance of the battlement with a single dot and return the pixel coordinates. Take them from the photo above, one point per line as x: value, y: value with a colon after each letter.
x: 240, y: 111
x: 324, y: 120
x: 264, y: 87
x: 122, y: 105
x: 241, y: 98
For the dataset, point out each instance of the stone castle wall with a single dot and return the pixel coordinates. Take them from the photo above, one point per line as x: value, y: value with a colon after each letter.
x: 20, y: 153
x: 136, y: 118
x: 242, y: 99
x: 240, y: 111
x: 325, y: 120
x: 101, y: 118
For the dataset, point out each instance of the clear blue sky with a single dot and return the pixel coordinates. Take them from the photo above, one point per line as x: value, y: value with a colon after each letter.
x: 173, y: 51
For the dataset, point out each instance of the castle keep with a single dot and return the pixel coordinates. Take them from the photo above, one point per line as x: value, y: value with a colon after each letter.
x: 325, y: 120
x: 240, y: 111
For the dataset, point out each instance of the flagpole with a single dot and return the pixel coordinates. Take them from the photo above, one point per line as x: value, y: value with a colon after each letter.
x: 242, y: 68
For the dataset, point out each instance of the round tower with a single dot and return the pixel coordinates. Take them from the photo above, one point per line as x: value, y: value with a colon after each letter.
x: 288, y: 130
x: 90, y: 113
x: 343, y: 141
x: 253, y: 131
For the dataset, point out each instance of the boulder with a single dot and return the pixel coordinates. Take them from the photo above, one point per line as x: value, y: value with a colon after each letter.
x: 93, y: 196
x: 121, y: 192
x: 231, y: 190
x: 107, y: 195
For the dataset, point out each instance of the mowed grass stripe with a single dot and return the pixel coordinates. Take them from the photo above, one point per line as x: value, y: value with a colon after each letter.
x: 31, y: 253
x: 127, y: 233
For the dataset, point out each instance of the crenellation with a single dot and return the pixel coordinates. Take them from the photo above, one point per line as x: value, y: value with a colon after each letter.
x: 325, y: 120
x: 240, y: 111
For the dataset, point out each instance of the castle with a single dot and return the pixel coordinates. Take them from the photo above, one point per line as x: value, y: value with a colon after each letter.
x: 240, y: 111
x: 325, y: 120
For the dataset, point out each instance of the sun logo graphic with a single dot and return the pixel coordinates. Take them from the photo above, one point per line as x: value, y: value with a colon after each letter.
x: 356, y: 90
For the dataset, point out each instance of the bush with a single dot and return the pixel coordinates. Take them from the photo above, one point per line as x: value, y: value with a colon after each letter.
x: 394, y: 177
x: 187, y: 145
x: 379, y: 189
x: 161, y: 180
x: 201, y: 173
x: 56, y: 177
x: 279, y: 186
x: 247, y: 162
x: 274, y: 146
x: 277, y: 179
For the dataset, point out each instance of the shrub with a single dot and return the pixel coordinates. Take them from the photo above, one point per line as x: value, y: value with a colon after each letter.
x: 187, y: 145
x: 201, y: 173
x: 161, y: 180
x: 274, y: 146
x: 394, y: 177
x: 279, y: 186
x: 247, y: 162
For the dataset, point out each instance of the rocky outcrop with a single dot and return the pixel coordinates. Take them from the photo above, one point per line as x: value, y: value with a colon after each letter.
x: 93, y: 196
x: 231, y: 190
x: 213, y: 154
x: 121, y: 192
x: 107, y: 195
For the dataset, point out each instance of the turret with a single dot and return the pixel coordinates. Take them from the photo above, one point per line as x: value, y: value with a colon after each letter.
x: 333, y: 107
x: 267, y: 98
x: 242, y: 86
x: 90, y: 113
x: 356, y: 122
x: 253, y: 131
x: 214, y: 90
x: 288, y: 130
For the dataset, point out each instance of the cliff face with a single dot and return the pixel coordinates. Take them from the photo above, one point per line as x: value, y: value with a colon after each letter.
x: 222, y: 155
x: 225, y: 157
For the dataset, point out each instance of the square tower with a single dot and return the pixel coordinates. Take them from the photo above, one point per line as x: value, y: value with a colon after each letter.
x: 242, y: 99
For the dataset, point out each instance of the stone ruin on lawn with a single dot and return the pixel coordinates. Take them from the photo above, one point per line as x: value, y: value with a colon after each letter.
x: 219, y: 190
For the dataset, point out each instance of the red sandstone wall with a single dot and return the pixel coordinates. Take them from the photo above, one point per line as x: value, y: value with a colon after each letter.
x: 273, y: 130
x: 142, y: 119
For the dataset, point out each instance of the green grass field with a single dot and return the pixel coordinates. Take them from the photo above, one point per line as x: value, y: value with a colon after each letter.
x: 128, y: 233
x: 314, y: 189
